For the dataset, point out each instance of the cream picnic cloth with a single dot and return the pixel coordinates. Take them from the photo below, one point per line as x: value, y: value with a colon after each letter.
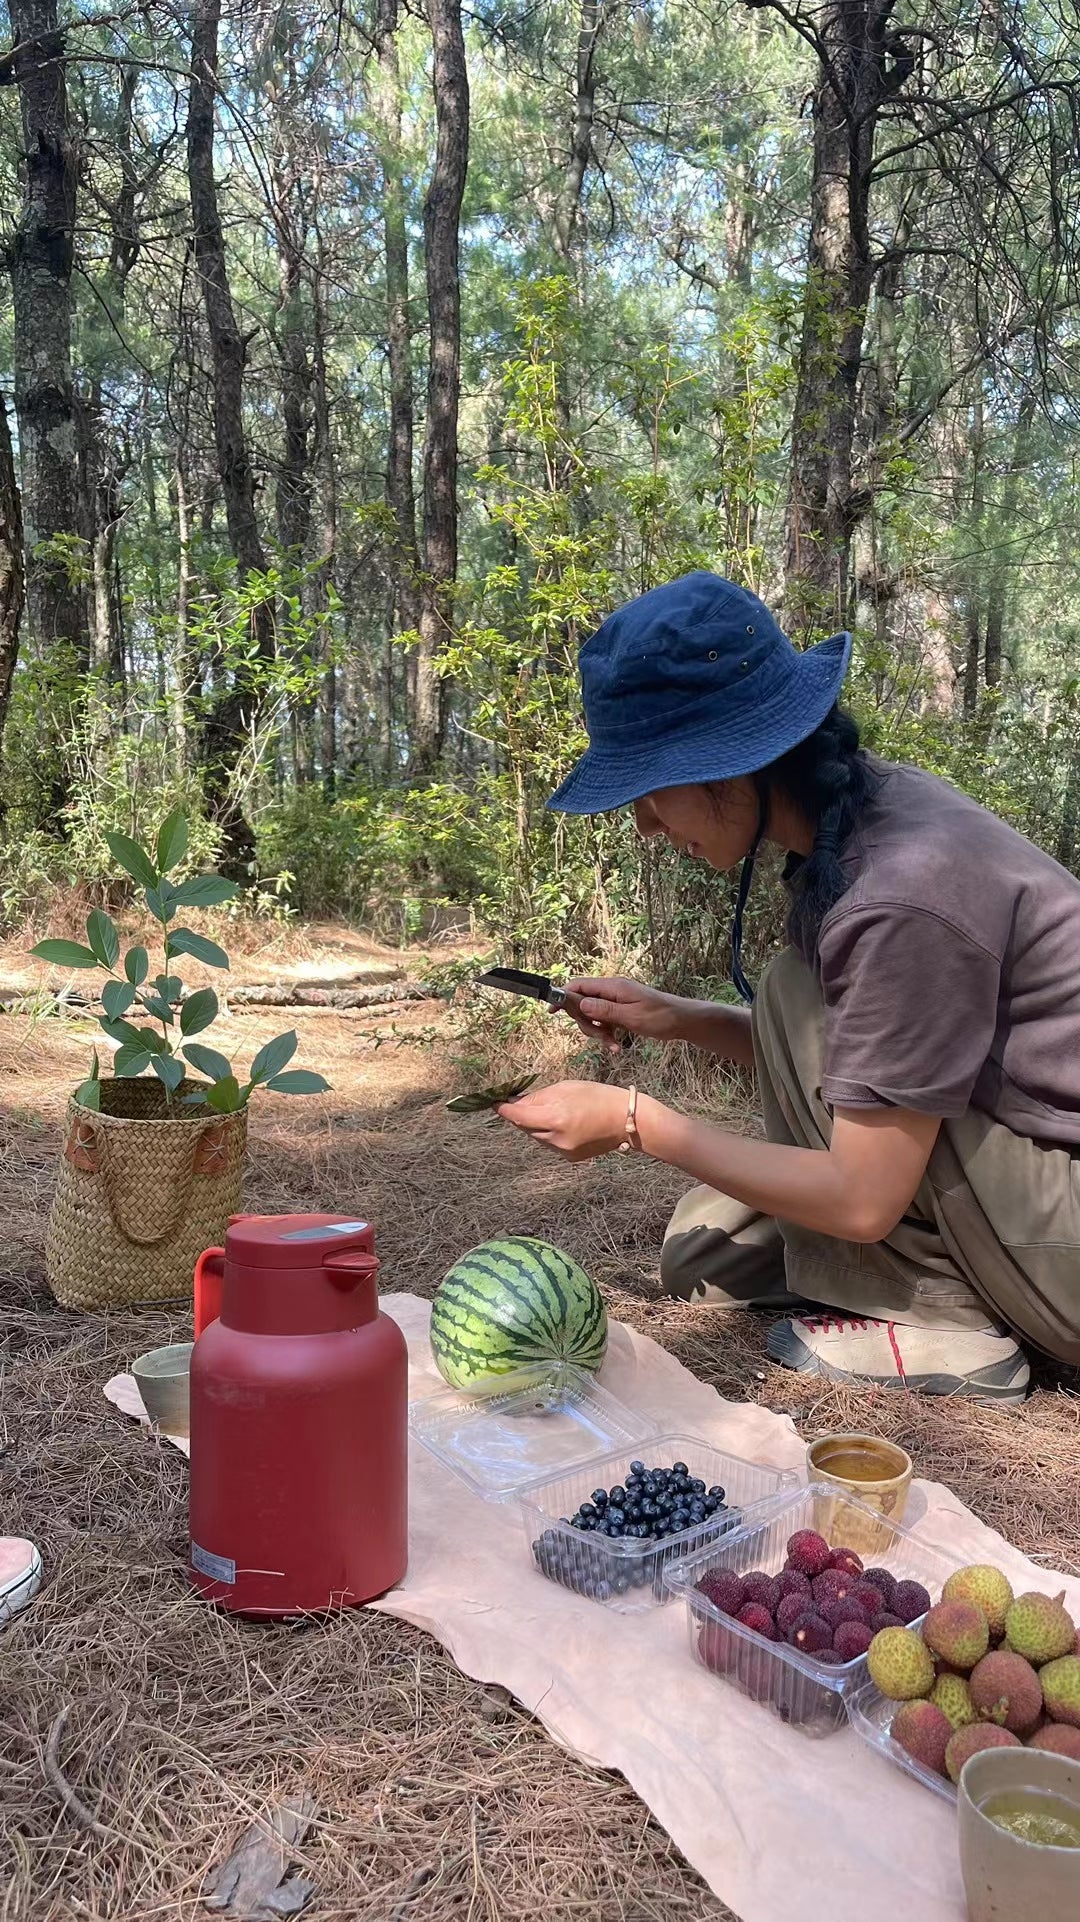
x: 783, y: 1828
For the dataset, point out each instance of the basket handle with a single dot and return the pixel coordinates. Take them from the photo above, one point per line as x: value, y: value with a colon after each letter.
x: 207, y: 1157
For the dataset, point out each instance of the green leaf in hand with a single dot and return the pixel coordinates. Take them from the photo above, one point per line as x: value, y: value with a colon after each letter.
x: 225, y: 1097
x: 116, y: 998
x: 489, y: 1097
x: 66, y: 954
x: 172, y: 841
x: 207, y: 1061
x: 133, y: 859
x: 274, y: 1056
x: 103, y: 938
x: 186, y: 941
x: 136, y: 966
x: 298, y: 1081
x: 205, y: 891
x: 198, y: 1011
x: 168, y: 1070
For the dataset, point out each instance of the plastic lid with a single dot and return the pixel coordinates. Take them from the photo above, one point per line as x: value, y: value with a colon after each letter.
x: 530, y: 1426
x: 294, y: 1241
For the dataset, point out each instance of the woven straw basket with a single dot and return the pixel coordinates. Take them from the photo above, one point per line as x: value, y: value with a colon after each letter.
x: 141, y: 1193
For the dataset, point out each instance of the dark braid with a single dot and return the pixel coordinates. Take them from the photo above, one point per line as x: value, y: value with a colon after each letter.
x: 830, y: 780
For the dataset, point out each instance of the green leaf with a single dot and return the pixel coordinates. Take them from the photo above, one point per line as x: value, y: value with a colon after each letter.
x: 168, y: 1070
x: 299, y: 1081
x: 116, y: 998
x: 172, y: 841
x: 207, y: 1061
x: 198, y: 1011
x: 136, y: 966
x: 161, y: 902
x: 186, y: 941
x: 103, y: 938
x: 159, y: 1008
x: 129, y: 1036
x: 205, y: 891
x: 133, y: 859
x: 88, y: 1094
x: 131, y: 1061
x: 169, y: 986
x: 197, y: 1099
x: 489, y: 1097
x: 224, y: 1097
x: 274, y: 1056
x: 66, y: 954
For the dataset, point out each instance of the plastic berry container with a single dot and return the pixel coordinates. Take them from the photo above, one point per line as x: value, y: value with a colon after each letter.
x: 870, y: 1714
x: 809, y: 1694
x: 629, y: 1576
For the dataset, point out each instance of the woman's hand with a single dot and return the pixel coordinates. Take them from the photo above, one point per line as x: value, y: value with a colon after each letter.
x: 579, y: 1119
x: 605, y: 1008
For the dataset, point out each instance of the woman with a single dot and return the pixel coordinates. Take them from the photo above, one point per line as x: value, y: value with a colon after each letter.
x: 917, y: 1045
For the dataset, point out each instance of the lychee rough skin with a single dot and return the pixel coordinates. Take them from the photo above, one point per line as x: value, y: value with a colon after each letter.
x: 910, y: 1600
x: 1058, y: 1739
x: 900, y: 1664
x: 957, y: 1633
x: 852, y: 1639
x: 985, y: 1587
x: 924, y: 1732
x: 1061, y: 1689
x: 808, y: 1552
x: 724, y: 1590
x: 969, y: 1741
x: 1037, y: 1627
x: 1005, y: 1690
x: 952, y: 1696
x: 763, y: 1589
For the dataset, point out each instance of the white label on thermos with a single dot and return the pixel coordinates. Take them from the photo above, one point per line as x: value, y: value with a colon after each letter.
x: 218, y: 1568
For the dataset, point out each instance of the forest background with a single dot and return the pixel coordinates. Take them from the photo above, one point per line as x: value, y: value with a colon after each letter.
x: 356, y: 361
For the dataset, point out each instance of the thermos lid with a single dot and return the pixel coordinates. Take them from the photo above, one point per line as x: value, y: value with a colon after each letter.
x: 294, y: 1241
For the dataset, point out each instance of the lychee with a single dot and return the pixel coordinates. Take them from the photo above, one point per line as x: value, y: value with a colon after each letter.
x: 966, y: 1742
x: 1005, y: 1690
x: 924, y: 1732
x: 910, y: 1600
x: 1037, y: 1626
x: 811, y: 1634
x: 952, y: 1696
x: 724, y: 1589
x: 881, y: 1579
x: 756, y: 1616
x: 901, y: 1665
x: 958, y: 1633
x: 808, y: 1552
x: 986, y: 1588
x: 792, y: 1581
x: 763, y: 1589
x: 846, y: 1560
x: 1058, y: 1739
x: 1061, y: 1689
x: 852, y: 1639
x: 791, y: 1610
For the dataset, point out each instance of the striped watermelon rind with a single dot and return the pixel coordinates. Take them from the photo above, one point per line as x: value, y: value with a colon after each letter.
x: 513, y: 1304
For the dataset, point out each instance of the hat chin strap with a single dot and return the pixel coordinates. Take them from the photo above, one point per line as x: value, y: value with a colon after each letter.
x: 742, y: 985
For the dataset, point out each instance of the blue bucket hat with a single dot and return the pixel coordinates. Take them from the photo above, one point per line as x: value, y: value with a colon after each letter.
x: 694, y: 681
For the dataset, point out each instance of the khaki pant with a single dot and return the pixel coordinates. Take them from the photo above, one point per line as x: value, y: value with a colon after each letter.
x: 992, y: 1234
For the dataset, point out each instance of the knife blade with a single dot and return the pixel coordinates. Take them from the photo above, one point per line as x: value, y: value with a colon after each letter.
x: 518, y: 981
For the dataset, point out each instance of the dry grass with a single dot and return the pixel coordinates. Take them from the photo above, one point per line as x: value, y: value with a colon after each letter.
x: 438, y: 1800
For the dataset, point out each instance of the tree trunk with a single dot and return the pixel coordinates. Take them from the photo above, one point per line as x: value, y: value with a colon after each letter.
x: 442, y: 211
x: 997, y: 594
x: 41, y: 265
x: 400, y: 492
x: 325, y: 466
x: 853, y: 79
x: 231, y: 718
x: 568, y: 205
x: 12, y: 572
x: 972, y: 596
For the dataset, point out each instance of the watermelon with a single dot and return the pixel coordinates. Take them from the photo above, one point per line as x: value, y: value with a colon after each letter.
x: 510, y: 1304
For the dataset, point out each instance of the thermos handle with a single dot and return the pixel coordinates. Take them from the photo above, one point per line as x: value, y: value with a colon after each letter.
x: 209, y: 1276
x: 350, y: 1266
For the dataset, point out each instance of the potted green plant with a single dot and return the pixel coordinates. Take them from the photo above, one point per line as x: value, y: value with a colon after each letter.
x: 153, y: 1157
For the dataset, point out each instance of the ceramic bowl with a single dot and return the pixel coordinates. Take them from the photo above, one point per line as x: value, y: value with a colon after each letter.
x: 1005, y: 1878
x: 876, y: 1472
x: 162, y: 1377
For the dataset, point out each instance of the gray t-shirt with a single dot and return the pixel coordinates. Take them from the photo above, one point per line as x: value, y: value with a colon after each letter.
x: 951, y: 967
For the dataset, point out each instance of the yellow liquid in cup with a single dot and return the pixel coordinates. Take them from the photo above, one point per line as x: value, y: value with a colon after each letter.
x: 1034, y: 1816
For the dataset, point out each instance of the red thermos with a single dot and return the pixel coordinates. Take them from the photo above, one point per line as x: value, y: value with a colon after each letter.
x: 299, y: 1403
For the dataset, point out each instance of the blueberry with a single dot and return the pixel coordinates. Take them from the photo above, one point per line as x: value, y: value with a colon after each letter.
x: 637, y: 1468
x: 717, y: 1493
x: 680, y: 1468
x: 587, y: 1509
x: 697, y: 1487
x: 616, y: 1497
x: 600, y: 1497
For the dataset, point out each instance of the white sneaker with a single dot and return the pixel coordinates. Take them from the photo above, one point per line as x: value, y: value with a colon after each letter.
x: 982, y: 1363
x: 20, y: 1575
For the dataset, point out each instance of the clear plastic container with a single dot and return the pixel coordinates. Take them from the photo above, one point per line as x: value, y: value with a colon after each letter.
x: 629, y: 1575
x: 801, y: 1689
x: 502, y: 1438
x: 870, y: 1714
